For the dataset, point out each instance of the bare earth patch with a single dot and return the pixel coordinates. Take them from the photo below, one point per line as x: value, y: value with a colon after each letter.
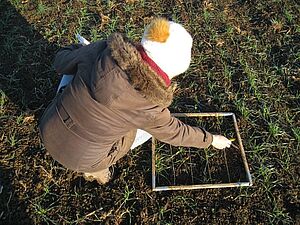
x: 246, y: 60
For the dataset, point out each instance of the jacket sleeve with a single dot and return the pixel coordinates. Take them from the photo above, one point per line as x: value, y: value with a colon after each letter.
x: 171, y: 130
x: 66, y: 59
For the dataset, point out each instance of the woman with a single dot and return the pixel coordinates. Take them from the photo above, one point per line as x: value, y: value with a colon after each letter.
x: 118, y: 88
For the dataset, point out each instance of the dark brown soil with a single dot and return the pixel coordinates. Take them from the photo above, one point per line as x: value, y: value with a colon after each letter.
x: 191, y: 166
x: 245, y: 60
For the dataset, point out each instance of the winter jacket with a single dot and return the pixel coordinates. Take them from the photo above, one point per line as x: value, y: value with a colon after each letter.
x: 93, y: 122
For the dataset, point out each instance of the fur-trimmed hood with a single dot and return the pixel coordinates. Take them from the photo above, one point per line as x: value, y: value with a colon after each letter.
x: 141, y: 76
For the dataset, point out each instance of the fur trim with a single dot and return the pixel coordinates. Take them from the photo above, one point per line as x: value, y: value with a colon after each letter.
x: 140, y: 74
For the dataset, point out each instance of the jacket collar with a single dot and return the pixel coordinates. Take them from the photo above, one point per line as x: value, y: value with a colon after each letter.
x: 153, y: 65
x: 146, y: 80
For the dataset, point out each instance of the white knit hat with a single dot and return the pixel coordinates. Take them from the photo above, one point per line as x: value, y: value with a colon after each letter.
x: 169, y: 45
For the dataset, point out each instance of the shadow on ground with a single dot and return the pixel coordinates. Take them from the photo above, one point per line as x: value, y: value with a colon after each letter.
x: 26, y: 85
x: 26, y: 76
x: 12, y: 210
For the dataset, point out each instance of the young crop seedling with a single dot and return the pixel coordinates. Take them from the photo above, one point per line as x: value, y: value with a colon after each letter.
x: 179, y: 168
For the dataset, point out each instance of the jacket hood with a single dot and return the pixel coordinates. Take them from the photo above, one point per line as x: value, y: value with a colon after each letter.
x: 141, y: 76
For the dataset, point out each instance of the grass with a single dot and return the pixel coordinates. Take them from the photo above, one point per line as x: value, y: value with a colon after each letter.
x: 3, y: 100
x: 296, y: 132
x: 189, y: 166
x: 242, y: 108
x: 245, y: 59
x: 12, y: 140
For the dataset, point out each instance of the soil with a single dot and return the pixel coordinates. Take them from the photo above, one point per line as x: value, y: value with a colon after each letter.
x: 191, y: 166
x: 245, y: 60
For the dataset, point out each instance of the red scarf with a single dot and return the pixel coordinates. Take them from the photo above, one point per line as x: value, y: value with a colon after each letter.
x: 153, y: 65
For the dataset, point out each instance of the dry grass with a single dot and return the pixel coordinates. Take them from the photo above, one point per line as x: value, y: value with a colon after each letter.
x: 246, y: 59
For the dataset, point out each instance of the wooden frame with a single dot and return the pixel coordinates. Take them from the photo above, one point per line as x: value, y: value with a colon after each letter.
x: 202, y: 186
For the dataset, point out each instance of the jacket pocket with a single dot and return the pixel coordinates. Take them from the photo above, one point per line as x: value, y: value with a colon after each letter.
x: 68, y: 122
x: 65, y: 117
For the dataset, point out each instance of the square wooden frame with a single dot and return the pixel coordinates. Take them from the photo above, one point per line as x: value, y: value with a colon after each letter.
x: 202, y: 186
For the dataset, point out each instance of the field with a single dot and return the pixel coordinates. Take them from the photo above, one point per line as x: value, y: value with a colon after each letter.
x: 246, y: 60
x: 182, y: 166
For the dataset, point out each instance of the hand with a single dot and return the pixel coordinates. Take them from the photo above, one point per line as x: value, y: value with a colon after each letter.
x: 220, y: 142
